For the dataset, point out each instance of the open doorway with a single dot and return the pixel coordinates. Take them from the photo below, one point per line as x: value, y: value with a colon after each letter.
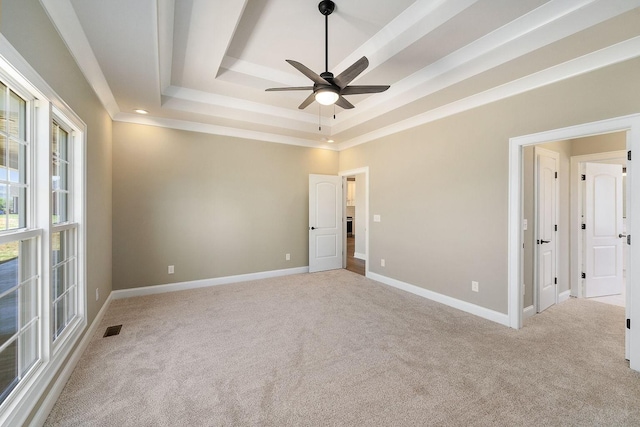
x: 630, y: 127
x: 356, y: 208
x: 555, y: 261
x: 356, y: 259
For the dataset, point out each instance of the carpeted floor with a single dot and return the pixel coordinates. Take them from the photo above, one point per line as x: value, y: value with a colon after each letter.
x: 335, y: 348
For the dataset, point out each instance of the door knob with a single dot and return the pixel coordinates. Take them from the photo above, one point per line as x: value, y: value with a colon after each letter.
x: 312, y: 228
x: 545, y: 241
x: 622, y: 235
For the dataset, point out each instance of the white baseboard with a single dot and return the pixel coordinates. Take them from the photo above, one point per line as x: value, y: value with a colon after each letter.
x: 528, y: 312
x: 54, y: 393
x: 474, y: 309
x: 360, y: 256
x: 563, y: 296
x: 195, y: 284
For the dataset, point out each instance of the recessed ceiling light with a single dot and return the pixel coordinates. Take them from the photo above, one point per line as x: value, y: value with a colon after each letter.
x: 141, y: 111
x: 330, y: 141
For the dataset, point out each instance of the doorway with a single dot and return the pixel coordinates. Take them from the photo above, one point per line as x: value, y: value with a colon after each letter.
x: 629, y: 127
x: 356, y: 226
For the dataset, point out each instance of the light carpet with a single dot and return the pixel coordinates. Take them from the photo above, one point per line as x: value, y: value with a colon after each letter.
x: 335, y: 348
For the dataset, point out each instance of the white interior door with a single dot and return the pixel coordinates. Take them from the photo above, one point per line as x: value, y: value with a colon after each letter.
x: 603, y: 260
x: 546, y: 229
x: 325, y: 222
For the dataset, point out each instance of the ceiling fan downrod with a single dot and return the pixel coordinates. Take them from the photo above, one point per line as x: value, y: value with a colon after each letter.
x: 326, y: 7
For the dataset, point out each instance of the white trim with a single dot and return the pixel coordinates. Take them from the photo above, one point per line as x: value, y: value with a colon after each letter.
x: 216, y: 100
x: 528, y: 312
x: 358, y: 255
x: 564, y: 296
x: 630, y: 124
x: 205, y: 283
x: 221, y: 130
x: 63, y: 16
x: 467, y: 307
x: 56, y: 389
x: 611, y: 55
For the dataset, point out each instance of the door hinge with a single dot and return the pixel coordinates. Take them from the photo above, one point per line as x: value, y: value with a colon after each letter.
x: 555, y: 280
x: 629, y: 155
x: 583, y: 177
x: 556, y: 175
x: 628, y: 323
x: 583, y: 275
x: 583, y: 226
x: 556, y: 227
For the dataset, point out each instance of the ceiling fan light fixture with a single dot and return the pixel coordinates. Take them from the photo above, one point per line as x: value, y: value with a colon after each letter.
x: 327, y: 96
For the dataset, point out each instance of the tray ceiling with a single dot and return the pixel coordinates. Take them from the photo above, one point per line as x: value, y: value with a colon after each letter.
x: 203, y: 65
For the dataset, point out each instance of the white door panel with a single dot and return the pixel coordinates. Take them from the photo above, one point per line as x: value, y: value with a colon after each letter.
x: 603, y: 264
x: 325, y: 222
x: 547, y: 211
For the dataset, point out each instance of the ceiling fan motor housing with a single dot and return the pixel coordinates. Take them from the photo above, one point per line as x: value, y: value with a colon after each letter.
x: 328, y: 76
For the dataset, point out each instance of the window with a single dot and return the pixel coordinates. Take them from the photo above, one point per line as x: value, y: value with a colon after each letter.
x: 13, y: 149
x: 60, y: 173
x: 18, y: 312
x: 42, y: 275
x: 19, y: 279
x: 63, y: 243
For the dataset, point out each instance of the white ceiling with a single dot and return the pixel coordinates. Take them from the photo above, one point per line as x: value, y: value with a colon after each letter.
x: 203, y: 65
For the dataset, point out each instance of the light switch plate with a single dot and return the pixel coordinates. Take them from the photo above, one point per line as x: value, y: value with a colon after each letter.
x: 376, y: 218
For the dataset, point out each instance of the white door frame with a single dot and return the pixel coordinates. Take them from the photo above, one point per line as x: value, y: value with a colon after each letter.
x: 575, y: 219
x: 344, y: 174
x: 629, y: 124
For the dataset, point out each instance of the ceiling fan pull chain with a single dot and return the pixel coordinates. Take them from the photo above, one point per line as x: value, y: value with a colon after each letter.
x: 319, y: 120
x: 334, y: 111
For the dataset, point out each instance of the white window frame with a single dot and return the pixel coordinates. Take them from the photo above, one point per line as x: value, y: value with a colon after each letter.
x: 75, y: 150
x: 45, y: 104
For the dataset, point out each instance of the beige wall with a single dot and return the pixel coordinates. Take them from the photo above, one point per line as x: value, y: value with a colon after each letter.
x: 26, y: 26
x: 212, y: 206
x: 441, y: 188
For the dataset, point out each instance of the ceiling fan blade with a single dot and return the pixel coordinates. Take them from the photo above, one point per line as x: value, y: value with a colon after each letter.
x: 343, y: 103
x: 279, y: 89
x: 356, y: 90
x: 307, y: 101
x: 307, y: 72
x: 347, y: 76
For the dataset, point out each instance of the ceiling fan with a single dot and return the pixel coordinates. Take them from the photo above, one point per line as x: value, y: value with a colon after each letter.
x: 326, y: 88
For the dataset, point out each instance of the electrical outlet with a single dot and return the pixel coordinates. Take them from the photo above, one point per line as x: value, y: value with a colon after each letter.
x: 474, y: 286
x: 382, y: 262
x: 287, y: 257
x: 97, y: 294
x: 376, y: 218
x: 171, y: 269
